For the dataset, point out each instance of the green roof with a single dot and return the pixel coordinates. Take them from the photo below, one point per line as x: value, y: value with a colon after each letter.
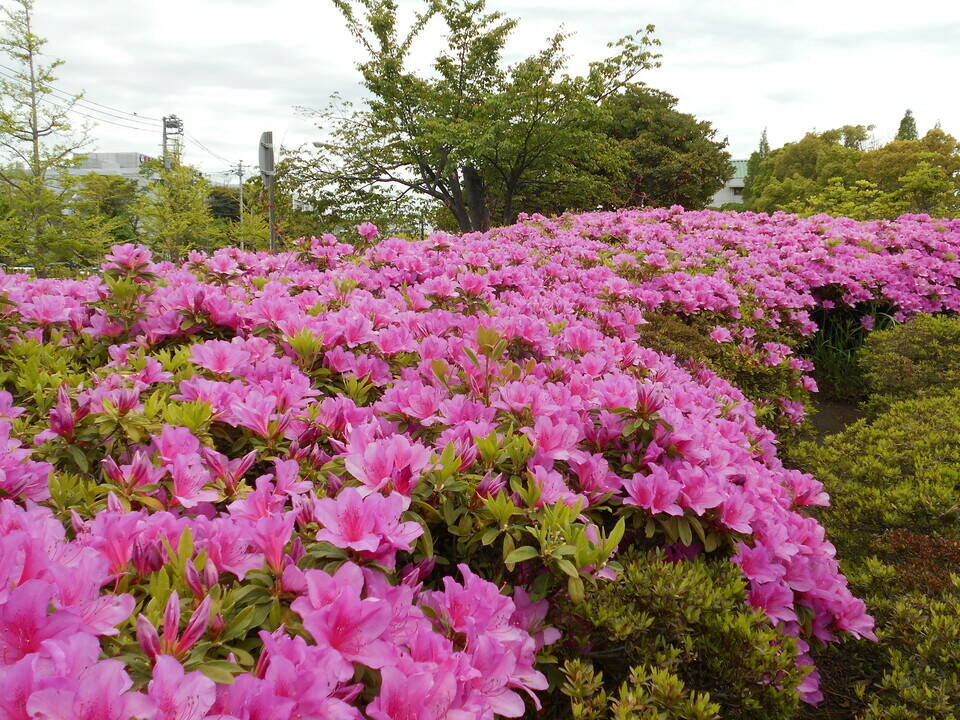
x: 739, y: 169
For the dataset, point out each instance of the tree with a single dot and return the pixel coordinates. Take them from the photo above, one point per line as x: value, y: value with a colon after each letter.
x: 478, y: 137
x: 106, y: 196
x: 861, y: 200
x: 251, y: 231
x: 908, y: 127
x: 173, y: 211
x: 670, y: 157
x: 791, y: 172
x: 756, y: 157
x: 224, y: 203
x: 38, y: 145
x: 887, y: 164
x: 831, y: 173
x: 928, y: 188
x: 306, y: 204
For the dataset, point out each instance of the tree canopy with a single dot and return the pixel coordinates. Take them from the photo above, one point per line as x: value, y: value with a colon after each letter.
x: 835, y: 173
x: 474, y: 134
x: 37, y: 145
x: 668, y: 157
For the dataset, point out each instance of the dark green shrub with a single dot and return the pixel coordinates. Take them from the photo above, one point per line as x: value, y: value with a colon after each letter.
x: 898, y: 471
x: 689, y: 620
x: 894, y: 483
x: 920, y: 633
x: 920, y: 357
x: 648, y: 694
x: 833, y: 349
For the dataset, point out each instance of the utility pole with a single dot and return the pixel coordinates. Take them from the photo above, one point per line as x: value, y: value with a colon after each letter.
x: 239, y: 173
x: 172, y: 133
x: 267, y: 173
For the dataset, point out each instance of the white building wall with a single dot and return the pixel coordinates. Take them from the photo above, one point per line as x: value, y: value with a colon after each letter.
x: 729, y: 193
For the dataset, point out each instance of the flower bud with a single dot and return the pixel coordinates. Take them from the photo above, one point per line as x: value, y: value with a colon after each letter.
x: 192, y: 577
x: 145, y: 557
x: 196, y: 627
x: 218, y: 625
x: 171, y: 622
x: 147, y: 637
x: 210, y: 574
x: 113, y: 504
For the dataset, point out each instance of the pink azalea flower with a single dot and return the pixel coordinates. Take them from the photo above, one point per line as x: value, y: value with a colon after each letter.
x: 353, y: 628
x: 656, y: 492
x: 387, y: 463
x: 365, y: 523
x: 178, y: 695
x: 758, y: 564
x: 189, y: 478
x: 102, y: 692
x: 271, y: 535
x: 175, y: 441
x: 368, y: 231
x: 423, y: 695
x: 24, y: 623
x: 220, y: 357
x: 721, y: 334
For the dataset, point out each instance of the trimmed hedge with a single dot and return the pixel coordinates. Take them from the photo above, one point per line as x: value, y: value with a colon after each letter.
x: 920, y: 357
x: 688, y: 619
x: 894, y: 482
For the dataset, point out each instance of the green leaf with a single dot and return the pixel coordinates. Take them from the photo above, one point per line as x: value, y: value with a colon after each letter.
x: 525, y: 552
x: 567, y: 567
x: 220, y: 671
x: 240, y: 624
x: 79, y: 458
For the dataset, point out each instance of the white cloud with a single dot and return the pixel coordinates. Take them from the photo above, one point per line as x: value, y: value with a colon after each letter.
x: 233, y: 68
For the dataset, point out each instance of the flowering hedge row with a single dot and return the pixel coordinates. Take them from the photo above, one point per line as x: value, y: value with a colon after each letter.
x: 353, y: 477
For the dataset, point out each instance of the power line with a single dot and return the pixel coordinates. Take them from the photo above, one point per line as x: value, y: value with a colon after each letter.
x: 192, y: 139
x: 152, y: 126
x: 138, y: 116
x: 95, y: 119
x: 149, y: 123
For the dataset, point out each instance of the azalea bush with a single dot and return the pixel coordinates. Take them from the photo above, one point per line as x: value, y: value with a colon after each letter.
x: 377, y: 479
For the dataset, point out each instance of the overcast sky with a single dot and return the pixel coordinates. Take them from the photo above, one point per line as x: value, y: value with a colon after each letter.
x: 233, y: 68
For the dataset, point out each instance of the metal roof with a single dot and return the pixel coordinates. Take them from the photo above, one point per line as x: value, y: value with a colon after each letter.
x: 739, y: 169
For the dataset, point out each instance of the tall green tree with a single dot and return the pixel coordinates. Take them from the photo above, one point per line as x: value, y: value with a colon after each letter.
x: 669, y: 157
x: 307, y: 204
x: 38, y: 143
x: 174, y: 215
x: 106, y: 196
x: 908, y: 127
x: 757, y: 157
x: 476, y: 135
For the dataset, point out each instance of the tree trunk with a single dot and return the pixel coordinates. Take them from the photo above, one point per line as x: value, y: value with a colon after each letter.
x: 476, y: 192
x: 36, y: 170
x: 457, y: 205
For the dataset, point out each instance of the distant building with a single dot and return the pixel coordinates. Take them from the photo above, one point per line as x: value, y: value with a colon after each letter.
x: 124, y: 164
x: 732, y: 192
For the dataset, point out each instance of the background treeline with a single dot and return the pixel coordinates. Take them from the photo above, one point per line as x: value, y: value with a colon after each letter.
x: 843, y: 172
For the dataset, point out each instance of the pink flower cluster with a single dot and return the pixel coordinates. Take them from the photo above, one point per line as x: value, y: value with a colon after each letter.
x: 333, y: 383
